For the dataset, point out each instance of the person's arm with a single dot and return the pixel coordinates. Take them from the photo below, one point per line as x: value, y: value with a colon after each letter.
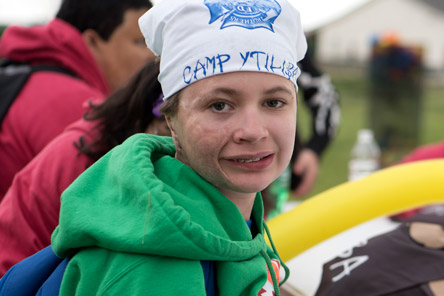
x: 30, y: 210
x: 323, y: 101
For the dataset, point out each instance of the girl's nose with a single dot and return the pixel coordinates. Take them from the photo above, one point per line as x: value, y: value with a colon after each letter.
x: 251, y: 127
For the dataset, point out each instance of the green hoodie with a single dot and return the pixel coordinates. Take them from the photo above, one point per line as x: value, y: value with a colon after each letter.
x: 138, y: 222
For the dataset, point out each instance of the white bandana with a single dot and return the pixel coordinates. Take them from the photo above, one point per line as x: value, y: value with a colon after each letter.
x: 201, y: 38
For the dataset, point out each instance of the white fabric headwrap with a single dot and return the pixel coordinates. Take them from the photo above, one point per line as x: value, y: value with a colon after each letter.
x: 201, y: 38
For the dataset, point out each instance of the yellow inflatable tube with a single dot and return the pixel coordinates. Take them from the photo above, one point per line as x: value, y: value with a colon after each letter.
x: 385, y: 192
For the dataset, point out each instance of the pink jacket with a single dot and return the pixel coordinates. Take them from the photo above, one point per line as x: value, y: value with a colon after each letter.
x: 429, y: 151
x: 49, y: 101
x: 29, y: 211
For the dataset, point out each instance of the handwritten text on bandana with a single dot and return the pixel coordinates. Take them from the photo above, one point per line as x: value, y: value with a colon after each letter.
x: 249, y: 60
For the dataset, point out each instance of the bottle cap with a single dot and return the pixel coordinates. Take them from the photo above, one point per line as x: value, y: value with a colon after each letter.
x: 365, y: 135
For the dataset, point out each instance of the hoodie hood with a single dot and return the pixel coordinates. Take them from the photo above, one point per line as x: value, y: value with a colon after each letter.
x: 57, y: 43
x: 139, y: 199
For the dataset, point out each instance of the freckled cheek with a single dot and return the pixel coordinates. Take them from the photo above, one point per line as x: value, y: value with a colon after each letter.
x: 213, y: 129
x: 284, y: 134
x: 209, y: 140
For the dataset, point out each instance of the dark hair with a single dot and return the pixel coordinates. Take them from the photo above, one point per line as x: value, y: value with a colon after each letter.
x: 127, y: 111
x: 102, y: 16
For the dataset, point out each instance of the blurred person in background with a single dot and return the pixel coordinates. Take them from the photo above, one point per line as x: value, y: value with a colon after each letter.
x: 97, y: 42
x: 29, y: 211
x: 322, y: 99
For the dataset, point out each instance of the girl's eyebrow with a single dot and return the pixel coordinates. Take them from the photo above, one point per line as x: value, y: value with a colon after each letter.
x: 233, y: 92
x: 225, y: 90
x: 220, y: 90
x: 278, y: 89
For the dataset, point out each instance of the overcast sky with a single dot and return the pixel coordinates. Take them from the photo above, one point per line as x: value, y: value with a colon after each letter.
x: 313, y: 12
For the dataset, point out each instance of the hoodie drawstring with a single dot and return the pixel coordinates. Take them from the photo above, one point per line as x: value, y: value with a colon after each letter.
x: 272, y: 273
x: 287, y: 270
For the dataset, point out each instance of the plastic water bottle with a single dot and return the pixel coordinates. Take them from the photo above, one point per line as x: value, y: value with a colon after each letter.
x: 279, y: 190
x: 365, y: 156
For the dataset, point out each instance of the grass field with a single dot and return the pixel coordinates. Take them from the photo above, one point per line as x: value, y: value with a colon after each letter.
x: 353, y: 88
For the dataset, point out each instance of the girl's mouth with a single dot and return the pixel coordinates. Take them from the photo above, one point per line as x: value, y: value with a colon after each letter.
x: 248, y: 160
x: 253, y: 163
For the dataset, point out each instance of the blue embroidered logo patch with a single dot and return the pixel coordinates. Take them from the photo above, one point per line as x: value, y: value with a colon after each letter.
x: 249, y: 14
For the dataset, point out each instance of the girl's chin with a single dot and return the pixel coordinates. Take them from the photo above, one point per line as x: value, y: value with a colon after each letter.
x: 245, y: 183
x: 249, y: 188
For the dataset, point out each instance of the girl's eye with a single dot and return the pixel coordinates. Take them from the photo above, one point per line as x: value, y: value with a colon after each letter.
x: 274, y: 103
x: 220, y: 106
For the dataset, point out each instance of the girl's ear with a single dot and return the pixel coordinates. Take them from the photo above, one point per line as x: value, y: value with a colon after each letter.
x: 170, y: 122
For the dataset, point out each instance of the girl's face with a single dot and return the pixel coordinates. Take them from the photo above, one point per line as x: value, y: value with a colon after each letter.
x: 236, y: 130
